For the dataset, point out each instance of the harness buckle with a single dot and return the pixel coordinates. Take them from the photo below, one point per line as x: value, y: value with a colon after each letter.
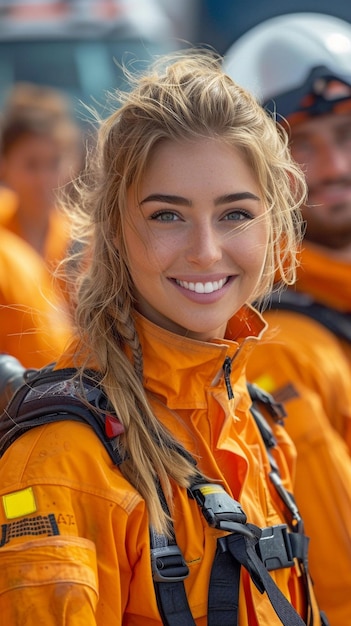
x: 168, y: 565
x: 274, y: 547
x: 219, y: 508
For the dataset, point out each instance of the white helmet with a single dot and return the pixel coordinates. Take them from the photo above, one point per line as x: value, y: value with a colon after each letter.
x: 302, y: 61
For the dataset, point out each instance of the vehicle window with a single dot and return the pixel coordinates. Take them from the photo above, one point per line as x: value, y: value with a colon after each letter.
x: 83, y: 69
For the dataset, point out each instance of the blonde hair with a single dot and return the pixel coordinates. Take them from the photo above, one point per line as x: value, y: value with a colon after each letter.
x: 186, y: 96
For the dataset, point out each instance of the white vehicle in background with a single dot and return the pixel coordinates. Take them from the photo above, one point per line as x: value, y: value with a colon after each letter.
x: 77, y: 45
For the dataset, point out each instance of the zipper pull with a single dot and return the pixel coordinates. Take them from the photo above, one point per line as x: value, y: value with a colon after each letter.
x: 227, y: 368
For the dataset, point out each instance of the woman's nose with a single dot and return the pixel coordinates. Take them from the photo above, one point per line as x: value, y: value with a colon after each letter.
x: 205, y: 246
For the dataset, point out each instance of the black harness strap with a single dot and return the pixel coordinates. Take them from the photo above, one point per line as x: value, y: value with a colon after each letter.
x: 276, y: 410
x: 56, y: 395
x: 169, y: 571
x: 297, y: 539
x: 234, y: 551
x: 172, y: 601
x: 258, y: 550
x: 223, y: 592
x: 242, y: 549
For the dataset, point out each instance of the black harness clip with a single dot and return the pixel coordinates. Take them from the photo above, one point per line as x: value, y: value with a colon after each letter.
x: 274, y: 547
x: 220, y: 509
x: 168, y: 565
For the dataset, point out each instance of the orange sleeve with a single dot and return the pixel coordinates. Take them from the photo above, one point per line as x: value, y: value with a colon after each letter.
x: 54, y: 577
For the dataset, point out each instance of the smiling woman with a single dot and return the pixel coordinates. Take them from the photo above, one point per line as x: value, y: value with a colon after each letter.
x: 185, y: 240
x: 188, y: 212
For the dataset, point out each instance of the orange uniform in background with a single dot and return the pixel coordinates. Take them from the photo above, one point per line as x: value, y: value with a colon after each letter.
x: 58, y: 233
x: 294, y: 66
x: 34, y: 323
x: 318, y: 403
x: 40, y: 153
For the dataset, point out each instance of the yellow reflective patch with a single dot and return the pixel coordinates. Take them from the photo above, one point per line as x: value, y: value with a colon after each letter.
x: 211, y: 489
x: 19, y: 503
x: 266, y: 382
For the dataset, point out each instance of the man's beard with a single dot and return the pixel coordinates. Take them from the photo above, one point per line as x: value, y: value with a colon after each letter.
x: 329, y: 233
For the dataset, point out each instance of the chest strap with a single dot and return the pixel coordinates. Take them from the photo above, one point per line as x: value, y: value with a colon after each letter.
x: 237, y: 549
x: 258, y: 550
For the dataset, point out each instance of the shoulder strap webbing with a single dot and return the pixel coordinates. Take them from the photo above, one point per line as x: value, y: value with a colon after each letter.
x: 241, y: 548
x: 54, y: 395
x: 337, y: 322
x: 232, y: 551
x: 276, y: 410
x: 298, y: 540
x: 169, y: 571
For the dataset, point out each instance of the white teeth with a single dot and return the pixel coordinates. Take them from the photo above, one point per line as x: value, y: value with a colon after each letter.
x: 208, y: 287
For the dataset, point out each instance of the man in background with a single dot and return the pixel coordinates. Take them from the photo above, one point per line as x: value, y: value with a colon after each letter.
x: 299, y: 67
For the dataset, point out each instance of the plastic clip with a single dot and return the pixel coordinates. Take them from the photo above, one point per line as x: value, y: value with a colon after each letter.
x: 168, y: 564
x: 274, y: 547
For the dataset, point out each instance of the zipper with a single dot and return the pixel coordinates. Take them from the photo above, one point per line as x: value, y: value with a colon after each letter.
x: 227, y: 369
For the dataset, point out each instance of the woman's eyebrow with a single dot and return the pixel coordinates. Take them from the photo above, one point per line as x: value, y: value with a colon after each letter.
x: 234, y: 197
x: 179, y: 200
x: 168, y: 199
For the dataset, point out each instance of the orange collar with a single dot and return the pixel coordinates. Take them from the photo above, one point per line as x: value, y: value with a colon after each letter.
x: 182, y: 370
x: 178, y: 367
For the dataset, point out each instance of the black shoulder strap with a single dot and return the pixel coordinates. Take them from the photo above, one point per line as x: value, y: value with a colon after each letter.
x: 298, y: 540
x: 337, y: 322
x: 276, y: 410
x: 50, y: 395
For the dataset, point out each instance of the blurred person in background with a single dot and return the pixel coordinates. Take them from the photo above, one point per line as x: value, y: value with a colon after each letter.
x: 40, y: 152
x: 299, y: 67
x: 34, y: 326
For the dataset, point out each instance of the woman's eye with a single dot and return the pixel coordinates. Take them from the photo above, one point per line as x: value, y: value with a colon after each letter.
x: 238, y: 215
x: 164, y: 216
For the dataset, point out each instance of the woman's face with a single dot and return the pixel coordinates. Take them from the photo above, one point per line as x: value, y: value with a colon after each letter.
x: 196, y: 235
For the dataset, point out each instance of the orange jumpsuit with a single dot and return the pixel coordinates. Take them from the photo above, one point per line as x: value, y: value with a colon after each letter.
x: 76, y: 534
x: 309, y: 368
x: 34, y: 325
